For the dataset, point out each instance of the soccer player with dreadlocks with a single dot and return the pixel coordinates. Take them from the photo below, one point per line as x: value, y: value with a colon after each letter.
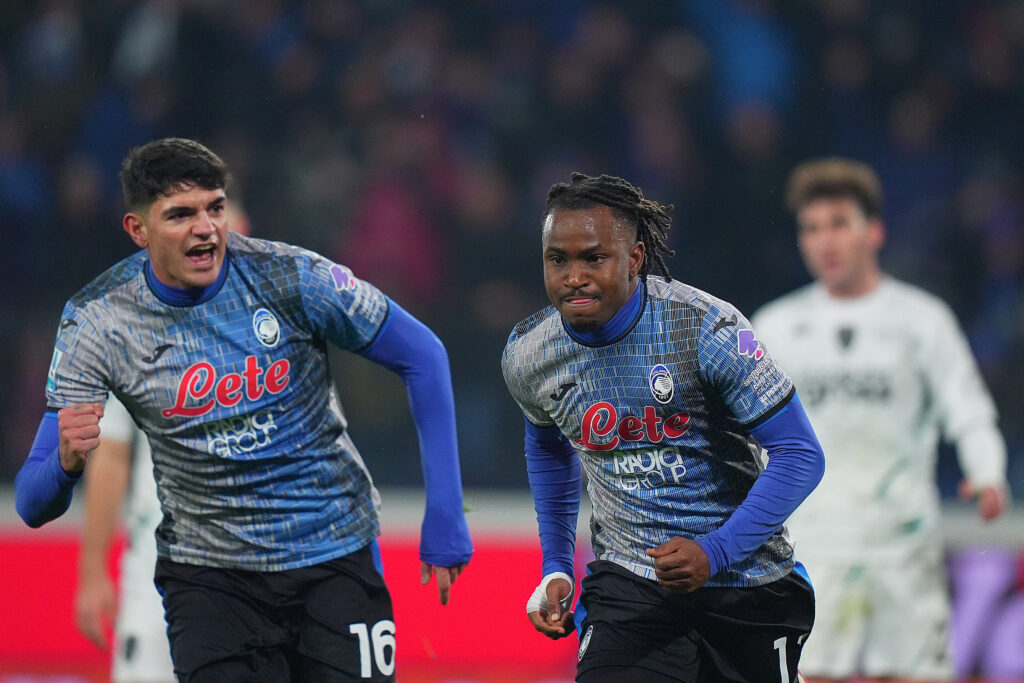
x: 664, y: 396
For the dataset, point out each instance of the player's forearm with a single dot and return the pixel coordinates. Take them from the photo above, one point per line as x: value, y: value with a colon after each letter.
x: 555, y: 475
x: 42, y: 489
x: 408, y: 348
x: 796, y: 464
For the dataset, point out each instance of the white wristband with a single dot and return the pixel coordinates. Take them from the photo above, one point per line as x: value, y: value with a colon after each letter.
x: 538, y: 602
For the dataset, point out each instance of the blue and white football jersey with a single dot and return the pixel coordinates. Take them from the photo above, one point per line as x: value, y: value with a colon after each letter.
x: 660, y: 420
x: 253, y: 462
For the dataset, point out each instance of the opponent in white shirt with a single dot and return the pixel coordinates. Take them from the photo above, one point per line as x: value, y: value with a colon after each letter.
x: 121, y: 471
x: 883, y: 370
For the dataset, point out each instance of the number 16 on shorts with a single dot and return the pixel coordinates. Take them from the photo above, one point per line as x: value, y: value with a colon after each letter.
x: 376, y: 647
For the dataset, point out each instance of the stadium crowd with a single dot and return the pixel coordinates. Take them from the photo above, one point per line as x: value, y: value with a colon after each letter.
x: 413, y: 142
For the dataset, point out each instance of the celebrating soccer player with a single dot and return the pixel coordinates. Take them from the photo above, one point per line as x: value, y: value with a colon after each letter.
x: 217, y: 345
x: 884, y: 368
x: 665, y: 394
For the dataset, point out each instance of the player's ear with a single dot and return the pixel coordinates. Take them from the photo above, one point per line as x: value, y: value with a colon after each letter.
x: 877, y: 232
x: 136, y: 229
x: 637, y: 253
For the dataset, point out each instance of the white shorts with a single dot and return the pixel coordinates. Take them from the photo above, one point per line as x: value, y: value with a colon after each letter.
x: 142, y: 653
x: 879, y: 620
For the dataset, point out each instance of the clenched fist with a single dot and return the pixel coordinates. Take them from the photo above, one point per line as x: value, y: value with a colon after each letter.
x: 79, y: 428
x: 680, y: 564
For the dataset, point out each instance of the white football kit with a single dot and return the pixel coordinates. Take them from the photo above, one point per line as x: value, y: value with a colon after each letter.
x: 881, y: 376
x: 142, y: 651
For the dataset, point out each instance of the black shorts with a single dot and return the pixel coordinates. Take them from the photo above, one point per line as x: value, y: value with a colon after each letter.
x: 328, y: 622
x: 631, y: 625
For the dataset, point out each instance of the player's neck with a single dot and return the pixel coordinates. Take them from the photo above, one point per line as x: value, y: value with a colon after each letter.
x: 862, y: 285
x: 178, y: 296
x: 619, y: 325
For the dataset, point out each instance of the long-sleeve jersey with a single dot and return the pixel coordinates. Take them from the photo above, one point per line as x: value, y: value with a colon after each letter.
x: 253, y: 462
x: 881, y: 376
x: 660, y: 418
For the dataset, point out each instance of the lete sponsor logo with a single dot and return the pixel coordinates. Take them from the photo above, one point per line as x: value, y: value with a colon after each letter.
x: 200, y: 383
x: 601, y: 419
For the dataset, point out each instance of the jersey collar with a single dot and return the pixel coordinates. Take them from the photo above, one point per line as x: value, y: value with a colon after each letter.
x: 189, y: 296
x: 620, y: 324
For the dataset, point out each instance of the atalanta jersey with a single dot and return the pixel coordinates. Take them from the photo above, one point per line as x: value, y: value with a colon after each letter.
x: 253, y: 463
x: 659, y: 418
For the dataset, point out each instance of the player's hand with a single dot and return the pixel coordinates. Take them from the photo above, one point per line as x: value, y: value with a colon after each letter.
x: 94, y: 607
x: 552, y: 620
x: 445, y: 577
x: 680, y: 565
x: 79, y: 428
x: 992, y: 500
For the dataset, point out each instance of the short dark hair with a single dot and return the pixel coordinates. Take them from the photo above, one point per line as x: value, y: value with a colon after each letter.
x: 166, y: 166
x: 832, y: 178
x: 648, y: 218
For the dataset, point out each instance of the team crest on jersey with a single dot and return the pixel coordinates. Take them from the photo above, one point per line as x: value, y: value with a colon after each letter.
x: 660, y: 381
x: 584, y: 642
x: 266, y: 327
x: 747, y: 345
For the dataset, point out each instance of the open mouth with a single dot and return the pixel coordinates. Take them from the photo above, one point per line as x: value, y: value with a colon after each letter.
x: 202, y: 255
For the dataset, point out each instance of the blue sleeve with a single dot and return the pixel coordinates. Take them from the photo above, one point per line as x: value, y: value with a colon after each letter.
x: 42, y: 489
x: 555, y: 474
x: 408, y: 348
x: 796, y: 464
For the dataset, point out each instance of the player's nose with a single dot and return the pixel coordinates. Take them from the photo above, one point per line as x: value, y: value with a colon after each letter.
x: 575, y: 277
x: 203, y: 225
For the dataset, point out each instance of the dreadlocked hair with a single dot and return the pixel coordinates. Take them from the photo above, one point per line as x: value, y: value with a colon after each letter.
x: 649, y: 218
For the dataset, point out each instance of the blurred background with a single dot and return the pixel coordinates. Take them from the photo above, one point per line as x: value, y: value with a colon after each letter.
x: 415, y: 142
